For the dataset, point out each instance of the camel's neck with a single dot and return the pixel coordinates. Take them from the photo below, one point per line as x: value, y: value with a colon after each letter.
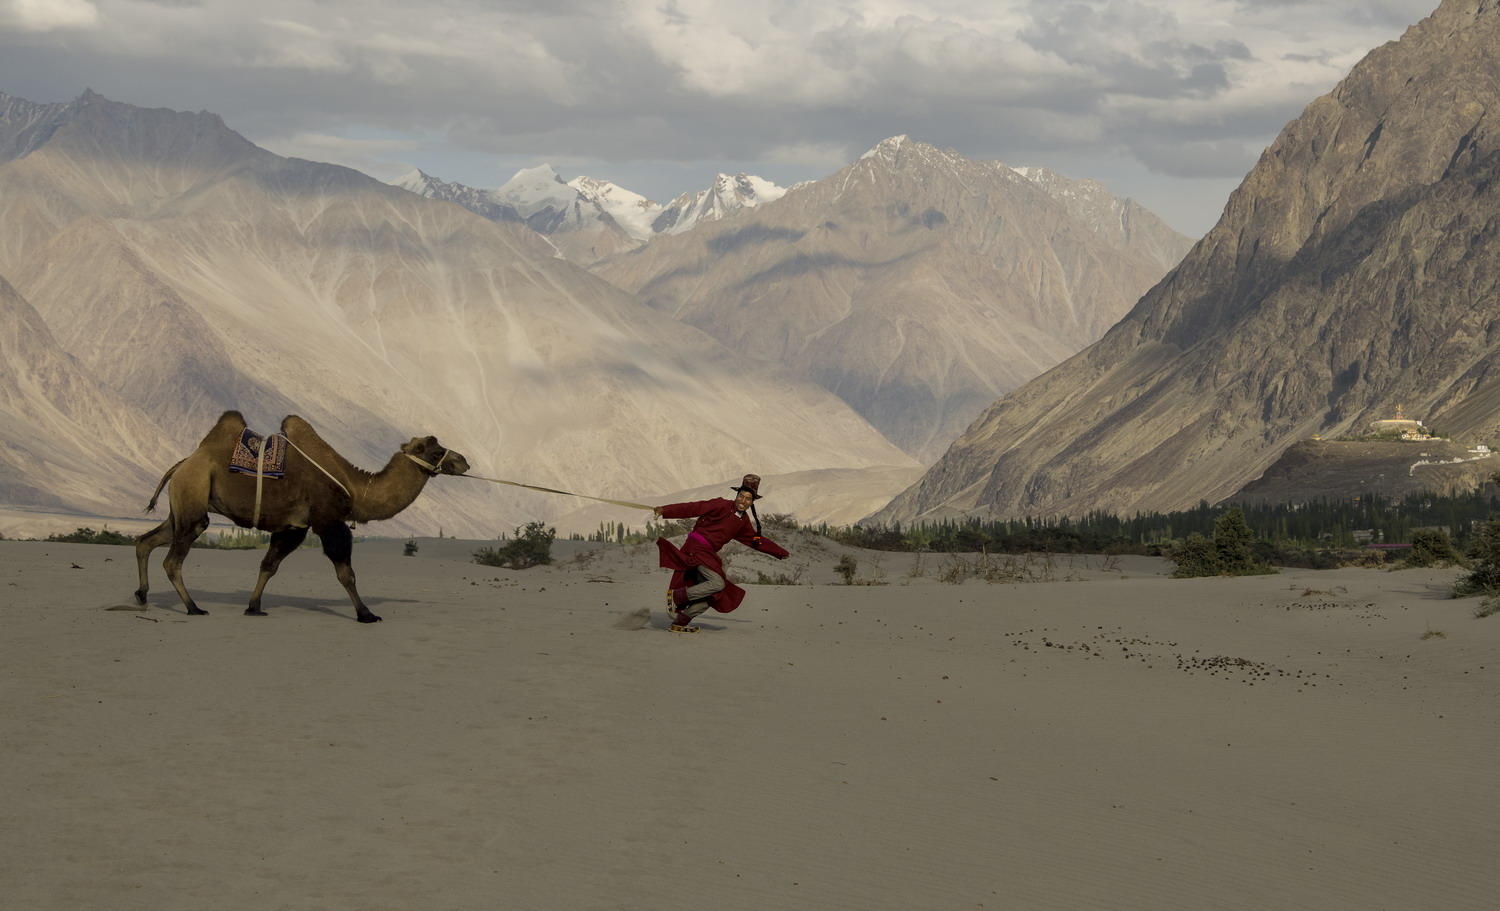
x: 389, y: 490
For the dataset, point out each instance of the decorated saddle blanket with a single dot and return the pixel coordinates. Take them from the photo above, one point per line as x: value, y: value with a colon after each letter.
x: 247, y: 450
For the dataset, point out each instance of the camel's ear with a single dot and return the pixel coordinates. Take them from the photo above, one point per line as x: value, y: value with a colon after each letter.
x: 432, y: 442
x: 409, y: 445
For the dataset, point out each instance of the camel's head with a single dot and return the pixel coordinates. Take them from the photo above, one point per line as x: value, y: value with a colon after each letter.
x: 442, y: 459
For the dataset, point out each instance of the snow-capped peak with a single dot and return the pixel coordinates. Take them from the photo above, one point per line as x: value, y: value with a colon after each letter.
x: 416, y: 180
x: 886, y: 146
x: 533, y: 189
x: 727, y: 195
x: 542, y: 173
x: 1068, y: 188
x: 631, y: 211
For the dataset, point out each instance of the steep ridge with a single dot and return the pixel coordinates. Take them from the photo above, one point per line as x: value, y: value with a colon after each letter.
x: 916, y: 284
x: 1355, y: 268
x: 196, y: 271
x: 479, y: 201
x: 67, y: 440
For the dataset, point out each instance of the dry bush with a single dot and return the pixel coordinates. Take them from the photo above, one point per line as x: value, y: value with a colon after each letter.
x: 955, y: 570
x: 1011, y: 568
x: 792, y: 578
x: 916, y: 571
x: 846, y: 568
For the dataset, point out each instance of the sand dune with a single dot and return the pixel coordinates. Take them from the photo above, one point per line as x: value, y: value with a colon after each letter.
x: 1125, y: 741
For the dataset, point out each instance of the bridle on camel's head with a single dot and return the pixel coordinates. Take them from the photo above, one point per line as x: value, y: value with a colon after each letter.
x: 433, y: 470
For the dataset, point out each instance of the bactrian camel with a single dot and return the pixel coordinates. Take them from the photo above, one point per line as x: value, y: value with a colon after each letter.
x: 305, y: 498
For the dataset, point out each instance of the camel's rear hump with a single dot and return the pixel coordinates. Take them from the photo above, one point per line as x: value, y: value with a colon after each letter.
x: 300, y: 432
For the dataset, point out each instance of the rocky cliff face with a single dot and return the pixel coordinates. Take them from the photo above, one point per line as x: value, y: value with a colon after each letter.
x: 190, y: 271
x: 915, y: 284
x: 1355, y: 268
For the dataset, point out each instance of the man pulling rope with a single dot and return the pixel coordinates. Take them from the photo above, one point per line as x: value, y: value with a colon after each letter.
x: 698, y: 579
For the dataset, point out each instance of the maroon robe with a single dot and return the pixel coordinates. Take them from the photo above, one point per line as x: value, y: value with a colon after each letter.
x: 717, y: 525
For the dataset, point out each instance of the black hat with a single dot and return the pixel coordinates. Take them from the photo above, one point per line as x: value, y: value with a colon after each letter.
x: 752, y: 484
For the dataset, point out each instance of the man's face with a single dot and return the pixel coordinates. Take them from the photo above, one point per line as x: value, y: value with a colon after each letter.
x: 743, y: 500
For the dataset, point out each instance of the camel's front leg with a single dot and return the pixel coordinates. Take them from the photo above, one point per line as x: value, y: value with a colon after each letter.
x: 183, y: 537
x: 282, y: 543
x: 338, y: 545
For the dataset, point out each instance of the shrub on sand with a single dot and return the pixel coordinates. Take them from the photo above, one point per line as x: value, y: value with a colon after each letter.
x: 846, y: 568
x: 1231, y: 552
x: 532, y: 546
x: 792, y: 578
x: 1194, y: 557
x: 86, y: 535
x: 1431, y: 548
x: 1484, y: 565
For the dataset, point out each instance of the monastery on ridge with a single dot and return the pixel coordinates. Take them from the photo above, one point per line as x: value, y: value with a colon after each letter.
x: 1408, y: 428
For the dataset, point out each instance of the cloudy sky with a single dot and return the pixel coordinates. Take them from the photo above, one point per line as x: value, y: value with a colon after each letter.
x: 1169, y: 102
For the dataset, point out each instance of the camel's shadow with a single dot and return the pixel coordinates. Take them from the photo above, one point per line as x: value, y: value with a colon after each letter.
x: 240, y: 600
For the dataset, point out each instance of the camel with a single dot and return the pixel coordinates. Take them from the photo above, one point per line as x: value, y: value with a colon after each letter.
x: 305, y: 498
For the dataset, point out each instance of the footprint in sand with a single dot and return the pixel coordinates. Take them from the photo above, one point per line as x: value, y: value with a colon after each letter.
x: 636, y: 619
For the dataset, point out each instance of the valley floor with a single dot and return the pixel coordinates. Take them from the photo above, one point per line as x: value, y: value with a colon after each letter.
x: 505, y: 740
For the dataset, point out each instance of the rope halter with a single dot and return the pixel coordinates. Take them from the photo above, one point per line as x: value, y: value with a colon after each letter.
x: 432, y: 470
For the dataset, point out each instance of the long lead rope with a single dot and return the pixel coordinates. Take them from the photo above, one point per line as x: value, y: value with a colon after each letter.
x: 566, y: 493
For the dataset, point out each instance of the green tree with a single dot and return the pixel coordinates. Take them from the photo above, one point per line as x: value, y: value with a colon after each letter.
x: 1195, y: 556
x: 1431, y: 548
x: 1233, y: 542
x: 1484, y: 563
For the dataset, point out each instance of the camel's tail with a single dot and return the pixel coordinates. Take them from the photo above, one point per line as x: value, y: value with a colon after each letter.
x: 151, y: 507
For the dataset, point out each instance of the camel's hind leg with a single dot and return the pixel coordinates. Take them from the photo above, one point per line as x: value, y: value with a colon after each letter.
x: 282, y: 543
x: 182, y: 542
x: 144, y: 545
x: 338, y: 545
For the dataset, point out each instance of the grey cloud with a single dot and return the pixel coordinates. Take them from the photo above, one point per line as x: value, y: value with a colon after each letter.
x: 1194, y: 158
x: 670, y: 12
x: 596, y: 91
x: 1232, y: 50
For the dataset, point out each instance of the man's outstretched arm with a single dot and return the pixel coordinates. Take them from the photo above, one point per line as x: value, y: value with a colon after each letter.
x: 763, y: 544
x: 687, y: 510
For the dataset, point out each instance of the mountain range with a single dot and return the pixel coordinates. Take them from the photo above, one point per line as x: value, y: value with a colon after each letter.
x: 588, y: 219
x: 1353, y: 270
x: 915, y: 283
x: 186, y: 271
